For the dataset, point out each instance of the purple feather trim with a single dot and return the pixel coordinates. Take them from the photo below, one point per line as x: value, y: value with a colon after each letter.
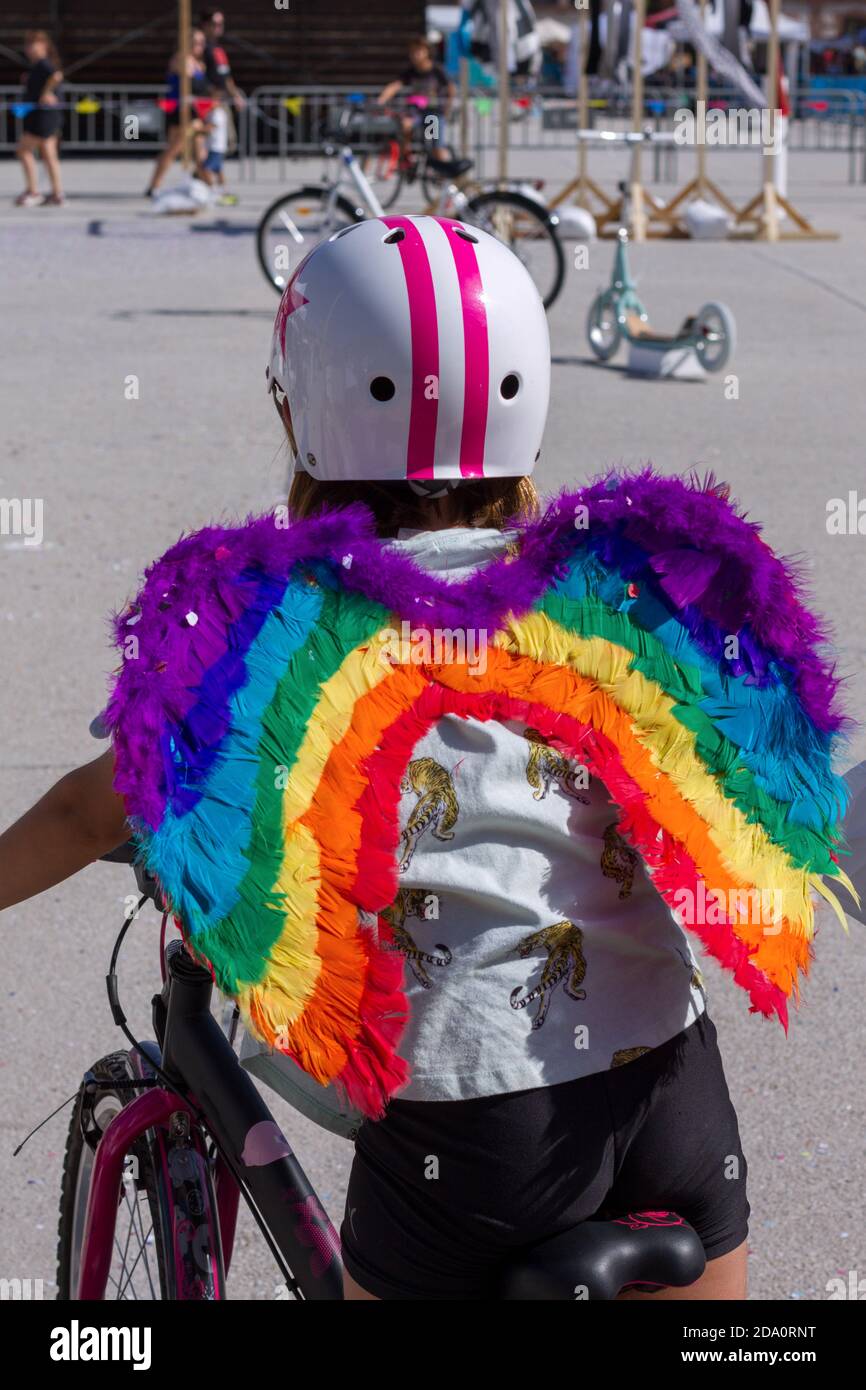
x: 713, y: 564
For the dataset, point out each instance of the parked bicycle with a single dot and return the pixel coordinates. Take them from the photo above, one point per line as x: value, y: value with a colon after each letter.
x: 298, y: 220
x: 165, y: 1138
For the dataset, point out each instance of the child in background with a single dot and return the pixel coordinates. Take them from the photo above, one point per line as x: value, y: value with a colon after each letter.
x: 216, y: 125
x: 426, y: 87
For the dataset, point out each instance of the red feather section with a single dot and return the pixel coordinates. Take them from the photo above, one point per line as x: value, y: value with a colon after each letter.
x: 670, y: 866
x: 374, y: 1072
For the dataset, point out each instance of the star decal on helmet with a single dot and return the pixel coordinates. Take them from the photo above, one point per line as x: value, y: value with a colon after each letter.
x: 292, y: 299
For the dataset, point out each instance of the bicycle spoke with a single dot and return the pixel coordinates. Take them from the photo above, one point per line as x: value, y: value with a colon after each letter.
x: 291, y: 227
x: 133, y: 1266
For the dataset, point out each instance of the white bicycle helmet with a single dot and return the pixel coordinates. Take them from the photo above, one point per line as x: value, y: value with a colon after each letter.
x: 412, y: 348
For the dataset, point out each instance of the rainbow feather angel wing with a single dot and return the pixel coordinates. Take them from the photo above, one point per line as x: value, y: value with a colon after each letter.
x: 263, y: 719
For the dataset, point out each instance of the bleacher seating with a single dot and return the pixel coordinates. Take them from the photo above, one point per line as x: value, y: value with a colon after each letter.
x: 313, y: 41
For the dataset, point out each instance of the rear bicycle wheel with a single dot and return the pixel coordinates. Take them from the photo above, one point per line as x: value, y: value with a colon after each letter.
x: 529, y: 230
x: 166, y: 1239
x: 294, y: 224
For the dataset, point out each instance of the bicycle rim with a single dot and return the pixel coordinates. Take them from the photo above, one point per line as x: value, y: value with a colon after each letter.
x: 383, y: 173
x: 529, y: 233
x: 293, y: 225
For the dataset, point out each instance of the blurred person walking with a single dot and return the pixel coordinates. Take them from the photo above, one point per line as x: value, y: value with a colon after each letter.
x: 219, y: 75
x: 198, y: 84
x: 41, y: 124
x: 219, y: 72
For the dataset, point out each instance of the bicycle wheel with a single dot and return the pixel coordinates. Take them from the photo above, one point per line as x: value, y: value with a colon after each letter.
x: 529, y: 230
x: 384, y: 174
x: 294, y: 224
x: 431, y: 182
x: 716, y: 335
x: 166, y: 1241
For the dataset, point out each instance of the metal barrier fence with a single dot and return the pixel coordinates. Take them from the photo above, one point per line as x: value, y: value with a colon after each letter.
x: 280, y: 123
x: 289, y: 123
x: 95, y: 117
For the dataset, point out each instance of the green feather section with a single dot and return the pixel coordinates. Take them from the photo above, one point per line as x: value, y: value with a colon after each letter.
x: 239, y: 946
x: 681, y: 681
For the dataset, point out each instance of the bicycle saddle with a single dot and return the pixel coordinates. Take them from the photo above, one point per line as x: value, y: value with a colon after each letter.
x: 597, y: 1259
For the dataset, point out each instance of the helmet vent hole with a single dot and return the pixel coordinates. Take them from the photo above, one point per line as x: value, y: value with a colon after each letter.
x: 466, y: 235
x: 397, y: 235
x: 509, y: 387
x: 382, y: 388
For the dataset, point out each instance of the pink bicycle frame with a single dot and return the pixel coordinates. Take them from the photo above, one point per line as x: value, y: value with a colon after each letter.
x: 152, y: 1109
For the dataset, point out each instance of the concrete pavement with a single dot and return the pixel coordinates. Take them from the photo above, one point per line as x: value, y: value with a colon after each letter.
x: 100, y: 291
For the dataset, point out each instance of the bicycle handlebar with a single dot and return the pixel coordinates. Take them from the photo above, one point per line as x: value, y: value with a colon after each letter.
x: 147, y: 884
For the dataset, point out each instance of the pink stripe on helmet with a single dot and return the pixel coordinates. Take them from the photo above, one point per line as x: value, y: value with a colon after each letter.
x: 424, y: 328
x: 476, y: 351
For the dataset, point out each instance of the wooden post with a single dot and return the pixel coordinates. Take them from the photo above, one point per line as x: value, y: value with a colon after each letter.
x: 504, y: 92
x: 638, y: 215
x: 700, y: 187
x: 771, y: 210
x: 184, y: 26
x: 582, y: 106
x: 464, y: 107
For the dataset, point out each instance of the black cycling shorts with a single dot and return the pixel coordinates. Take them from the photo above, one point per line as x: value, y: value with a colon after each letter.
x: 442, y: 1192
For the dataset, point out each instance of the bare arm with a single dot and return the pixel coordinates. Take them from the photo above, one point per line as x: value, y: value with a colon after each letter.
x: 388, y: 93
x: 49, y: 91
x: 77, y: 821
x: 235, y: 93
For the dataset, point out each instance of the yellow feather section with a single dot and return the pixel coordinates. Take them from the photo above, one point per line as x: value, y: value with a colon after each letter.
x: 820, y: 886
x: 360, y: 672
x: 746, y: 849
x: 293, y: 965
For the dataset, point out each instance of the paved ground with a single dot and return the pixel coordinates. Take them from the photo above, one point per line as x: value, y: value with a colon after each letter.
x: 99, y: 291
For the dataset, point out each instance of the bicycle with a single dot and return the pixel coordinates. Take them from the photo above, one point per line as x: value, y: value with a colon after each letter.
x: 398, y: 160
x: 314, y: 212
x: 167, y: 1136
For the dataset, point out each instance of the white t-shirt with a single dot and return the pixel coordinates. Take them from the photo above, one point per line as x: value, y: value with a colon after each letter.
x: 537, y: 949
x: 218, y: 131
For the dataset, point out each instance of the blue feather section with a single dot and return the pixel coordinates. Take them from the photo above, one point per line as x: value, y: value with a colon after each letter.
x: 203, y: 848
x: 778, y: 743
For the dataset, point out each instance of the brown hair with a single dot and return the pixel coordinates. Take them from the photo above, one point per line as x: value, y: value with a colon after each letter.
x: 43, y: 36
x: 491, y: 502
x: 420, y: 41
x: 479, y: 502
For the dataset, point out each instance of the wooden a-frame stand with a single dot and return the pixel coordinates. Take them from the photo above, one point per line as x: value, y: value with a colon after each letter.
x: 650, y: 217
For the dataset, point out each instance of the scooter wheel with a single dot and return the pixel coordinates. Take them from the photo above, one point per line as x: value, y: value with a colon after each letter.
x: 716, y: 335
x: 603, y: 327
